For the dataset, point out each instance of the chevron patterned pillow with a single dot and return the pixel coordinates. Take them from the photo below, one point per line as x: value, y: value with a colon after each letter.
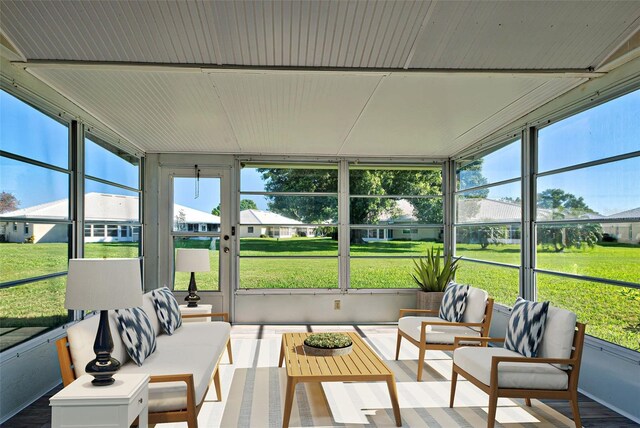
x: 136, y: 332
x: 167, y: 309
x: 526, y: 327
x: 454, y: 302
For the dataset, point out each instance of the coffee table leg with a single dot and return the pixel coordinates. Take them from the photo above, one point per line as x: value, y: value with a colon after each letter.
x: 281, y: 353
x: 288, y: 401
x: 393, y: 393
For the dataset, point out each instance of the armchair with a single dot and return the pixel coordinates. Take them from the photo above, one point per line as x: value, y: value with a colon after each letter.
x: 503, y: 373
x: 430, y: 332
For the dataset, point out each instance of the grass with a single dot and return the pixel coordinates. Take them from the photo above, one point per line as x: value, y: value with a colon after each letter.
x: 612, y: 312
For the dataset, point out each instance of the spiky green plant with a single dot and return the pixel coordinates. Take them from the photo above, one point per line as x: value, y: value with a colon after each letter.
x: 433, y: 273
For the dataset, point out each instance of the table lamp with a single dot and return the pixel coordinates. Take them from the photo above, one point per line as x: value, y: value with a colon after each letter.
x: 103, y: 284
x: 192, y: 260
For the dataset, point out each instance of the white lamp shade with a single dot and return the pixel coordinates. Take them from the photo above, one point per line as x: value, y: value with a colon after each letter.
x: 192, y: 260
x: 103, y: 284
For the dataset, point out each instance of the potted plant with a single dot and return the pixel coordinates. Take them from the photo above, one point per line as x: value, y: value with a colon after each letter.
x: 327, y: 344
x: 432, y: 274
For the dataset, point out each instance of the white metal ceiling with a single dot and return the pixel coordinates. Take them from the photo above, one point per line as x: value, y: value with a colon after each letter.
x: 301, y: 112
x: 544, y: 34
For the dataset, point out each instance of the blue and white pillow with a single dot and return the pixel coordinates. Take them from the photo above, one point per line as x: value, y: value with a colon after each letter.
x: 167, y: 309
x: 526, y: 327
x: 454, y: 302
x: 136, y: 332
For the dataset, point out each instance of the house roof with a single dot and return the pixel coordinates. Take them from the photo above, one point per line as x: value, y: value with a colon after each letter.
x: 105, y: 207
x: 265, y: 217
x: 632, y: 213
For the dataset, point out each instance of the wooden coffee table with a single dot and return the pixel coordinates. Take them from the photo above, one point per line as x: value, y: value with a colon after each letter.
x: 360, y: 365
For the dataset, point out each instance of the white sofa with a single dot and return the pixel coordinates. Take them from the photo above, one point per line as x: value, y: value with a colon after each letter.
x: 181, y: 368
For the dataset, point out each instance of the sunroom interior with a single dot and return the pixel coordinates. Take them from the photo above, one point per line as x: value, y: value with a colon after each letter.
x: 317, y: 148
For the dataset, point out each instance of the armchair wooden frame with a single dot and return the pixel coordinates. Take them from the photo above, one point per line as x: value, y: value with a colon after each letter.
x: 422, y: 344
x: 190, y: 413
x: 494, y: 391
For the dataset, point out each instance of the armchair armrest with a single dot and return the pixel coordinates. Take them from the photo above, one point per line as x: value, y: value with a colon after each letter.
x: 424, y: 324
x: 223, y: 315
x: 485, y: 340
x: 418, y: 311
x: 524, y: 360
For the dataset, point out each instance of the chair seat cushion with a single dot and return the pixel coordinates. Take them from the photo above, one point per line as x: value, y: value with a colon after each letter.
x: 435, y: 334
x: 477, y: 362
x: 193, y: 348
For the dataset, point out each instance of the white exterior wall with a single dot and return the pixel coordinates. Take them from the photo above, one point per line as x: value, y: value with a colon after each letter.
x: 627, y: 233
x: 257, y: 231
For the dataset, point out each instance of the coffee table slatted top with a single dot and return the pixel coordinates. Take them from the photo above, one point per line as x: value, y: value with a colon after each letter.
x: 362, y: 363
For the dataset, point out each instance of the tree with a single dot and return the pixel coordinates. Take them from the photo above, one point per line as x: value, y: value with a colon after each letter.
x: 8, y: 202
x: 245, y: 204
x: 565, y: 205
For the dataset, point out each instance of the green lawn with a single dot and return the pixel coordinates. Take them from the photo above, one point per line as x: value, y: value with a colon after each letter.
x: 612, y: 313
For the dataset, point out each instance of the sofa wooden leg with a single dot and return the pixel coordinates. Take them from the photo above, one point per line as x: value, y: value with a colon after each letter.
x: 216, y: 383
x: 398, y: 345
x: 527, y: 402
x: 421, y: 362
x: 454, y: 382
x: 493, y: 404
x: 229, y: 351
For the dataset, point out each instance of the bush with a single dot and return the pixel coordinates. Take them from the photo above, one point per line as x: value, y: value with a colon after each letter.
x: 262, y: 235
x: 609, y: 238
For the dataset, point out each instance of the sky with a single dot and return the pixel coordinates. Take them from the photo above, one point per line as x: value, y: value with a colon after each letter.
x: 607, y: 130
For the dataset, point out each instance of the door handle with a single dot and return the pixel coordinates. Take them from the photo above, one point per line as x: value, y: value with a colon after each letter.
x: 226, y: 249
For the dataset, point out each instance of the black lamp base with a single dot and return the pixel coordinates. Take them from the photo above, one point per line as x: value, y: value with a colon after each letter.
x: 104, y: 366
x: 102, y: 372
x: 192, y: 299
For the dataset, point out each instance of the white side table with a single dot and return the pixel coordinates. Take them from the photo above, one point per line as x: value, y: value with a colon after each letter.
x: 81, y: 404
x: 200, y: 309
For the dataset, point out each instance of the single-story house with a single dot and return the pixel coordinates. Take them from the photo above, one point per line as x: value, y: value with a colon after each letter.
x: 624, y: 232
x: 256, y: 223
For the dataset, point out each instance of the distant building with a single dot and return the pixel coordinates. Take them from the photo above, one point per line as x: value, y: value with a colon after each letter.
x: 626, y: 231
x: 187, y: 219
x: 256, y: 223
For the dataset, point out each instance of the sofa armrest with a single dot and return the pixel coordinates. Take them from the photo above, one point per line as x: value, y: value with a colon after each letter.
x: 418, y: 311
x: 191, y: 389
x: 223, y: 315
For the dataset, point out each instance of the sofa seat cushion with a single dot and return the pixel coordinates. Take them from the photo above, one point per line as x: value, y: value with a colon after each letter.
x: 435, y: 334
x: 193, y: 348
x: 477, y: 362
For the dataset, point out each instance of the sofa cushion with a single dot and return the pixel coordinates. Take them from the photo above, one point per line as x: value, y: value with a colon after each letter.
x: 136, y: 333
x: 434, y: 333
x: 477, y: 362
x: 150, y: 309
x: 526, y: 327
x: 557, y: 340
x: 81, y: 337
x: 454, y: 302
x: 167, y: 309
x: 194, y: 348
x: 476, y: 304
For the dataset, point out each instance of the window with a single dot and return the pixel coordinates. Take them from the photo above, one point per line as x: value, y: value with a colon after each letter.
x: 487, y: 224
x: 34, y: 220
x: 588, y: 218
x: 112, y: 199
x: 394, y: 197
x: 196, y: 224
x: 295, y: 208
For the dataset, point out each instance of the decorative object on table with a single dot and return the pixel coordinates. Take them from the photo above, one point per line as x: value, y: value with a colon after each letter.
x: 167, y: 309
x: 103, y: 284
x: 327, y: 344
x: 192, y: 260
x: 432, y: 274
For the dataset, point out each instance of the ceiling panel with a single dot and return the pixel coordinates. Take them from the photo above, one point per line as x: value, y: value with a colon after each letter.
x: 418, y: 114
x: 157, y: 111
x: 293, y: 113
x: 523, y: 34
x: 333, y: 33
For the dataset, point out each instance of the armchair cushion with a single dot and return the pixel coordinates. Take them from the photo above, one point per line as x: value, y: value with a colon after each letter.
x: 435, y: 333
x: 526, y: 327
x: 167, y: 309
x: 454, y: 302
x: 476, y: 304
x: 477, y: 362
x: 557, y: 339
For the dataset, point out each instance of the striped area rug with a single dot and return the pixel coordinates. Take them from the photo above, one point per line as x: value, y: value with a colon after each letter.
x: 256, y: 396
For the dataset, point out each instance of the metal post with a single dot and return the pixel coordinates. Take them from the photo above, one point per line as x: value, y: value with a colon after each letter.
x: 344, y: 233
x: 528, y: 235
